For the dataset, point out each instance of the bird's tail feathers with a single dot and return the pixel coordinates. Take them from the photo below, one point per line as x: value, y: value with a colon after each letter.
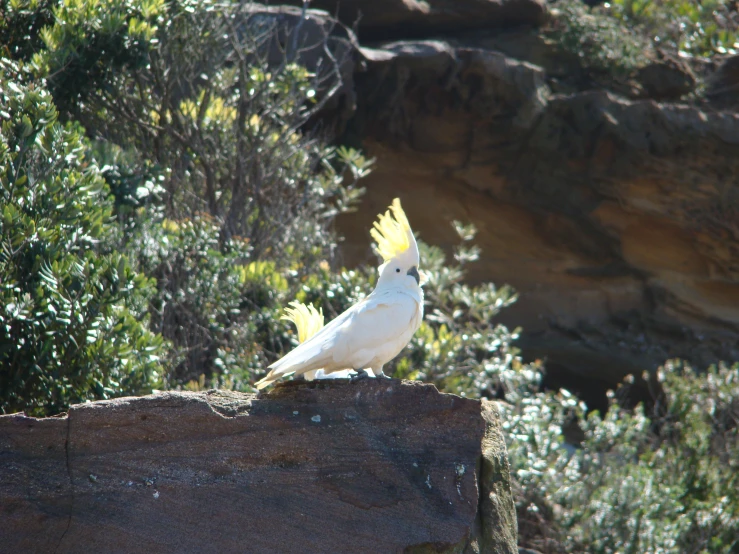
x: 271, y: 377
x: 306, y: 357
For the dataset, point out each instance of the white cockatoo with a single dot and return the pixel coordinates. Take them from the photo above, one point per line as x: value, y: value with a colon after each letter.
x: 308, y: 321
x: 376, y: 329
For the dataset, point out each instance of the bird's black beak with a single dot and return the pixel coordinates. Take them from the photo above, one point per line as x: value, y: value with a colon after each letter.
x: 413, y: 272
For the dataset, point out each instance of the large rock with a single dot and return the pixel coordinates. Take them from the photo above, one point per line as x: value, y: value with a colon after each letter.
x: 307, y: 36
x: 615, y: 219
x: 722, y: 86
x: 385, y: 19
x: 376, y: 466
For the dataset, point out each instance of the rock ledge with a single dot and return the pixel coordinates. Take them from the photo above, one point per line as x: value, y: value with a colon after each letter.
x: 376, y: 466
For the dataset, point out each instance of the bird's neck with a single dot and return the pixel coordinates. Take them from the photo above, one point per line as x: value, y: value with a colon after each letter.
x: 414, y: 292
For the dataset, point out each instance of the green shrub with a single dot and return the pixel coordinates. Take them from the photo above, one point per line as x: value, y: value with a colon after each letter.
x: 21, y: 24
x: 228, y: 124
x: 217, y: 300
x: 220, y: 307
x: 458, y: 346
x: 602, y: 43
x: 212, y: 302
x: 201, y: 137
x: 620, y: 36
x: 87, y: 42
x: 663, y: 479
x: 66, y: 333
x: 695, y: 27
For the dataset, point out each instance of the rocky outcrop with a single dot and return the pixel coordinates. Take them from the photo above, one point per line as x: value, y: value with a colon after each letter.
x: 723, y: 84
x: 612, y: 211
x: 616, y: 219
x: 375, y: 466
x: 384, y: 19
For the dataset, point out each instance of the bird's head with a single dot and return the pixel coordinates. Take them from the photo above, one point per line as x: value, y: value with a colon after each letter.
x: 307, y: 319
x: 397, y: 246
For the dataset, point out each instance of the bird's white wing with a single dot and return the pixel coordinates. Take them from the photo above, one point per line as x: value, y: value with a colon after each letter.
x: 380, y: 321
x: 312, y: 354
x: 366, y: 326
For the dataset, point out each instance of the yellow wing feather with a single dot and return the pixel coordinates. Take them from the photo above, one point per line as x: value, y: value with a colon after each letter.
x: 391, y: 232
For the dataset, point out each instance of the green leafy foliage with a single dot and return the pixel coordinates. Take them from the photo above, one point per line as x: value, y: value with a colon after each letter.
x: 212, y: 302
x: 459, y: 347
x: 66, y: 333
x: 220, y: 308
x: 601, y: 43
x: 218, y: 190
x: 21, y: 24
x: 87, y: 41
x: 619, y: 36
x: 666, y: 478
x: 230, y: 129
x: 657, y: 479
x: 210, y: 139
x: 694, y: 27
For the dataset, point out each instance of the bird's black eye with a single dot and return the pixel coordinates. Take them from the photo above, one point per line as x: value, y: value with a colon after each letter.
x: 397, y: 270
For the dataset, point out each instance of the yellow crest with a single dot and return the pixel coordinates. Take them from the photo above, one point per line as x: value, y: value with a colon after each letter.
x: 391, y: 232
x: 307, y: 319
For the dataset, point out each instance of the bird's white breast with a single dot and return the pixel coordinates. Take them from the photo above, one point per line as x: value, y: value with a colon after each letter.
x: 392, y: 347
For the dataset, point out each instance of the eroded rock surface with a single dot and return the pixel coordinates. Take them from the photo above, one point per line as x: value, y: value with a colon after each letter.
x: 376, y: 466
x: 616, y: 219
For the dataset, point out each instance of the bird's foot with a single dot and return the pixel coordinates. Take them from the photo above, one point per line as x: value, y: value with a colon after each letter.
x: 381, y: 375
x: 361, y: 374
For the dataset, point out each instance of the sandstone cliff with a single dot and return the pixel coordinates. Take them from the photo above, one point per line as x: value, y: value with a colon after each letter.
x: 612, y: 210
x: 375, y: 466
